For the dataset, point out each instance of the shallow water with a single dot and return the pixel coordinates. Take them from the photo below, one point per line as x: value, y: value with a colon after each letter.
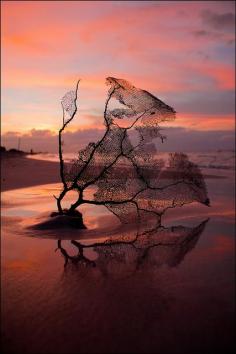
x: 174, y: 300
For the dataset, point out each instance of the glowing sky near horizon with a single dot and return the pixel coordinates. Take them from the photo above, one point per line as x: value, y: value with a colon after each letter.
x: 182, y: 52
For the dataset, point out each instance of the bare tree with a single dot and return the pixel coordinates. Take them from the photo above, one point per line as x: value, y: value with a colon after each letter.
x: 132, y: 182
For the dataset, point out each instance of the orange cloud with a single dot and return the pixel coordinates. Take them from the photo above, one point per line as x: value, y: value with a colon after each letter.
x: 205, y: 121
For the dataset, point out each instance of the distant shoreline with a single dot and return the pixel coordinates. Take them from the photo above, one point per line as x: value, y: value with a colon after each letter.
x: 4, y: 153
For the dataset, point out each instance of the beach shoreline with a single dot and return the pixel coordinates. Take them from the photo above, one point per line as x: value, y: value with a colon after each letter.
x: 21, y: 172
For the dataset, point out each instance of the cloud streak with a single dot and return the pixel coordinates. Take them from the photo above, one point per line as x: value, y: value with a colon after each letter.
x: 225, y: 21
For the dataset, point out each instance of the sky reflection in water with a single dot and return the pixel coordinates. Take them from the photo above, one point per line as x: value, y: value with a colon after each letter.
x: 166, y: 305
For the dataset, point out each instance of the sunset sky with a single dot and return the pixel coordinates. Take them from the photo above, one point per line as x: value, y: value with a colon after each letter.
x: 182, y: 52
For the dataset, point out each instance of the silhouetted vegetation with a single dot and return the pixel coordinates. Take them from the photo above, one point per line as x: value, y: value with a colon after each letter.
x: 130, y: 180
x: 12, y: 152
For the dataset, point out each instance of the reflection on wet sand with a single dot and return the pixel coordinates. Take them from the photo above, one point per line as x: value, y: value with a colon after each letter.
x: 148, y: 297
x: 133, y: 250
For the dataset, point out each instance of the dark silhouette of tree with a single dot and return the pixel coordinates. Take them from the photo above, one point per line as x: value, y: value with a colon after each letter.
x: 131, y: 180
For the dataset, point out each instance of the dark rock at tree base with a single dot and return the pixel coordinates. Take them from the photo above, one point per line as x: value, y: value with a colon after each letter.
x: 75, y: 213
x: 69, y: 219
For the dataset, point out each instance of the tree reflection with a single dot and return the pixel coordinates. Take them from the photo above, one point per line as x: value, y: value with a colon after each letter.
x: 131, y: 251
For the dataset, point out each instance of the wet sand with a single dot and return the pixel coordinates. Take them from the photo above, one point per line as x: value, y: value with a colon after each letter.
x: 178, y: 300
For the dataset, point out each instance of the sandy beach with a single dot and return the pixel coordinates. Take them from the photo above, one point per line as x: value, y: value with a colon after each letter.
x: 20, y: 172
x: 132, y: 300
